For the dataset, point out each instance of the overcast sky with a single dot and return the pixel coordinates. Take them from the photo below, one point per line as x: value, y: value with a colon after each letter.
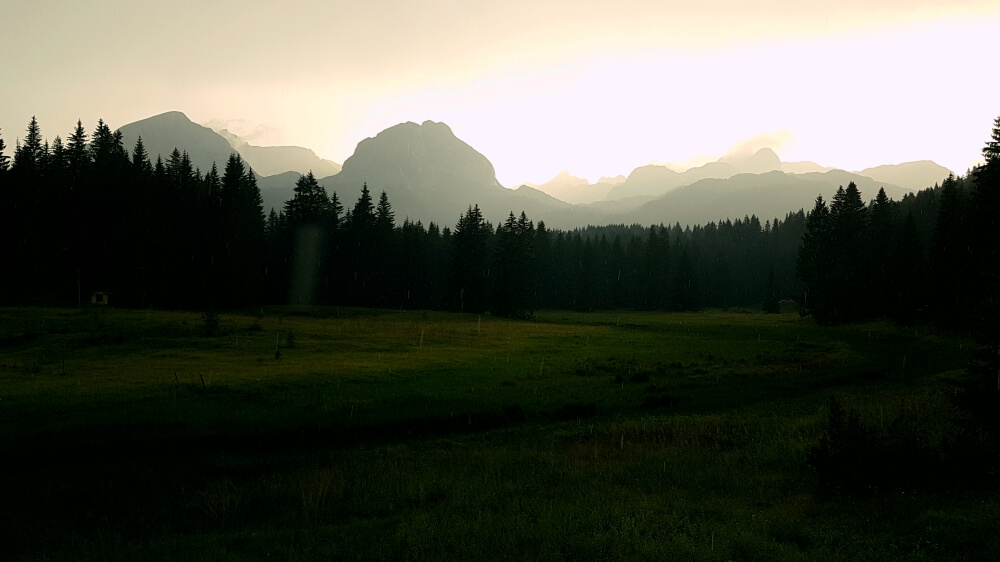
x: 538, y: 86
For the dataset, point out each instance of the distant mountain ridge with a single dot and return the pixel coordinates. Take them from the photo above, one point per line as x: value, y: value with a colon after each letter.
x: 760, y: 162
x: 271, y: 160
x: 166, y: 131
x: 431, y: 175
x: 911, y: 175
x: 173, y: 129
x: 654, y: 180
x: 572, y: 189
x: 768, y: 195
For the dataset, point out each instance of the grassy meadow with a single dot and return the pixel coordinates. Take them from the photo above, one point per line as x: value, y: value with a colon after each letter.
x: 324, y: 433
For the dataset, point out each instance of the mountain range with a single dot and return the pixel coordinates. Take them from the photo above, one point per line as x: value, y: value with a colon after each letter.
x: 431, y: 175
x: 271, y: 160
x: 654, y: 181
x: 162, y: 133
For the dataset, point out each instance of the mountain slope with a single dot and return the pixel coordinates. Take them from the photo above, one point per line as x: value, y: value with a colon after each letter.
x: 431, y: 175
x: 760, y: 162
x: 277, y: 189
x: 656, y: 180
x: 272, y: 160
x: 166, y: 131
x: 574, y: 190
x: 768, y: 195
x: 803, y: 167
x: 911, y: 175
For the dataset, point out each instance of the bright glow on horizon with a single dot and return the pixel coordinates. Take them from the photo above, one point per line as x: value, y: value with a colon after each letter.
x: 851, y: 103
x: 596, y: 90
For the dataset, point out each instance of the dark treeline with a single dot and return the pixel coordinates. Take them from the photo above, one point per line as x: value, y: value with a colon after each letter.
x: 932, y: 256
x: 90, y: 215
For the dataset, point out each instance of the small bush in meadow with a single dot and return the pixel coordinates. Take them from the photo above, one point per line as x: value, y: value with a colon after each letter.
x: 211, y: 321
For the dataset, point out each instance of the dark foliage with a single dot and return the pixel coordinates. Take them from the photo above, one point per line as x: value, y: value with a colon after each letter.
x: 89, y: 216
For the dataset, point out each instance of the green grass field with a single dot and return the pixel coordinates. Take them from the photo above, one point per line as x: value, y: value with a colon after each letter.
x: 298, y: 434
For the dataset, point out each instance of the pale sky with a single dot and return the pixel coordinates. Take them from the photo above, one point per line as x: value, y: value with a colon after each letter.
x: 538, y: 86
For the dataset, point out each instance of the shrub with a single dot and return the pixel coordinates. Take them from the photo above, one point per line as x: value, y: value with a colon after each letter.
x: 211, y: 320
x: 863, y: 453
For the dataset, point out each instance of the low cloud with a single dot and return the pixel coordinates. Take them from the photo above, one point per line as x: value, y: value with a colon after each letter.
x: 775, y: 141
x: 260, y: 134
x: 743, y: 149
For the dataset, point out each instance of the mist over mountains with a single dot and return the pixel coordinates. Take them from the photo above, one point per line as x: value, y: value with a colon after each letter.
x: 430, y: 175
x: 162, y: 133
x: 271, y: 160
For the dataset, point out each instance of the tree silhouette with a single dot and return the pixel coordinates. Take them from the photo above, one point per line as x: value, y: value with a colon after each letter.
x: 470, y: 269
x: 879, y: 257
x: 384, y: 274
x: 949, y: 254
x: 814, y: 263
x: 30, y: 155
x: 4, y: 159
x: 986, y: 239
x: 78, y: 159
x: 848, y: 222
x: 309, y: 204
x: 513, y: 264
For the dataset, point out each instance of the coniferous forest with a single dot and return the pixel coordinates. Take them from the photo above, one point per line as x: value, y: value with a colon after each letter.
x: 90, y: 214
x: 297, y: 380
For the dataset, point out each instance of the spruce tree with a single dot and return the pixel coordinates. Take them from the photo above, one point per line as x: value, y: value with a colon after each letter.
x: 77, y: 152
x: 986, y: 240
x: 4, y: 159
x: 980, y: 395
x: 363, y: 215
x: 140, y: 160
x: 384, y: 275
x: 30, y: 155
x: 336, y: 210
x: 106, y: 150
x: 512, y: 262
x: 470, y: 268
x: 814, y: 261
x: 879, y: 253
x: 309, y: 204
x: 848, y: 226
x: 949, y: 259
x: 384, y: 216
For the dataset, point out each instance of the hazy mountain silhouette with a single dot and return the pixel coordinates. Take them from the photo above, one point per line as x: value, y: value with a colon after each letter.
x: 277, y: 189
x: 431, y: 175
x: 658, y: 180
x: 654, y: 180
x: 562, y: 180
x: 911, y: 175
x: 166, y: 131
x: 271, y: 160
x: 769, y: 195
x: 572, y: 189
x: 760, y: 162
x: 803, y: 167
